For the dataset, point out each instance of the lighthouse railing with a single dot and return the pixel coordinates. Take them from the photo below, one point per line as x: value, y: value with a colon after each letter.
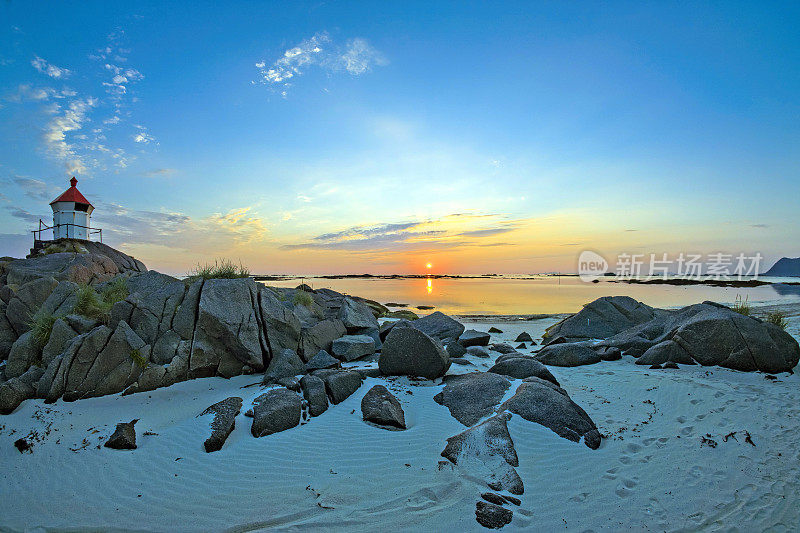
x: 37, y: 233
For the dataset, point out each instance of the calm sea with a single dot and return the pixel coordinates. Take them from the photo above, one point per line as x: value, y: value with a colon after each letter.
x: 538, y: 294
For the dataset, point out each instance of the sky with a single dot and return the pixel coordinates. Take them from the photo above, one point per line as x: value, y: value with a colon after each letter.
x: 376, y: 137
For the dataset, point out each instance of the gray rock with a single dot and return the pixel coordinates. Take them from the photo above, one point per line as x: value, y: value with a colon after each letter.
x: 570, y: 354
x: 280, y: 321
x: 341, y: 385
x: 495, y: 330
x: 523, y: 367
x: 454, y: 349
x: 223, y: 423
x: 124, y: 436
x: 503, y: 348
x: 460, y: 361
x: 61, y: 301
x: 290, y: 382
x: 314, y: 392
x: 166, y: 347
x: 387, y: 326
x: 26, y: 301
x: 380, y: 407
x: 711, y: 334
x: 524, y: 337
x: 320, y: 337
x: 603, y: 318
x: 492, y: 516
x: 352, y: 347
x: 376, y: 336
x: 488, y: 447
x: 16, y: 390
x: 542, y: 402
x: 80, y: 323
x: 471, y: 397
x: 609, y: 353
x: 285, y: 363
x: 22, y: 355
x: 322, y: 360
x: 473, y: 337
x: 664, y: 351
x: 410, y: 352
x: 274, y: 411
x: 83, y: 269
x: 521, y: 346
x: 60, y: 337
x: 671, y: 364
x: 356, y: 315
x: 228, y: 334
x: 478, y: 351
x: 439, y: 326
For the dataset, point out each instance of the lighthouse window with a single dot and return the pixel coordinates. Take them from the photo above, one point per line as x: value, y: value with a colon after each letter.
x: 81, y: 207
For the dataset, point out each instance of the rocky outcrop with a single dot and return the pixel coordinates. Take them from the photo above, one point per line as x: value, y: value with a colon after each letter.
x: 274, y: 411
x: 542, y: 402
x: 322, y: 361
x: 603, y: 318
x: 320, y: 336
x: 410, y: 352
x: 492, y: 515
x: 380, y: 407
x: 709, y: 334
x: 223, y: 422
x: 16, y: 390
x: 356, y: 316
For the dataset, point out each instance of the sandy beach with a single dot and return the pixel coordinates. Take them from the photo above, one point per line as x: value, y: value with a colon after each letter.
x: 694, y: 448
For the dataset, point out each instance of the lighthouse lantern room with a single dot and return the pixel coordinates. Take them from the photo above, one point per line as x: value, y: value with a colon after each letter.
x: 71, y: 214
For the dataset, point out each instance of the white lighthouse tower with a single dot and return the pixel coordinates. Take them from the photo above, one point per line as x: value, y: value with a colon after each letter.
x: 71, y: 214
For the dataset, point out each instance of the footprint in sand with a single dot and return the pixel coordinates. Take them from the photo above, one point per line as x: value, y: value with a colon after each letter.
x: 699, y: 417
x: 681, y: 419
x: 687, y: 431
x: 694, y: 402
x: 625, y: 488
x: 625, y: 460
x: 579, y: 497
x: 662, y: 440
x: 719, y: 394
x: 611, y: 473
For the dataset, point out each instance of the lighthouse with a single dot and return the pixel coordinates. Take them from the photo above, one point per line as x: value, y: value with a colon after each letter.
x: 71, y: 214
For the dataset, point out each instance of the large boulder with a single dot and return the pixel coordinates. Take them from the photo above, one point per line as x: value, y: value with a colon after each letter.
x: 322, y: 361
x: 22, y: 355
x: 542, y: 402
x: 275, y: 410
x: 60, y: 337
x: 84, y: 269
x: 568, y: 354
x: 352, y: 347
x: 439, y: 326
x: 410, y: 352
x: 284, y: 364
x: 491, y: 515
x: 710, y: 334
x: 123, y: 262
x: 280, y: 321
x: 523, y: 367
x: 488, y: 450
x: 27, y: 299
x: 603, y: 318
x: 472, y: 397
x: 222, y: 424
x: 228, y: 334
x: 320, y: 337
x: 379, y: 406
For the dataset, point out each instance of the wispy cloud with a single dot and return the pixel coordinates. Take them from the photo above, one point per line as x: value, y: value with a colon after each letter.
x: 161, y: 173
x: 35, y: 189
x: 55, y: 134
x: 49, y: 69
x: 355, y: 57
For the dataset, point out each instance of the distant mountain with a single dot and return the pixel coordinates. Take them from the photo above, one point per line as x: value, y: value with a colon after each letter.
x: 785, y: 266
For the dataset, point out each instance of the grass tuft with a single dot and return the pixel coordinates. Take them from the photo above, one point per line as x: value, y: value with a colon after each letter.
x: 303, y: 298
x: 115, y: 291
x: 778, y: 318
x: 41, y: 326
x: 220, y: 269
x: 741, y: 306
x: 97, y: 306
x: 139, y: 359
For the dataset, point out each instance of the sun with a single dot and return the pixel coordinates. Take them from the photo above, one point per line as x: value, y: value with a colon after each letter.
x: 428, y: 265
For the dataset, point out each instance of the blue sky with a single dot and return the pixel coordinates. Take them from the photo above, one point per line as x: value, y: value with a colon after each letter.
x: 333, y: 137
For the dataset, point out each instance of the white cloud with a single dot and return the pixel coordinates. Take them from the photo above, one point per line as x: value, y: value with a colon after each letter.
x: 356, y: 57
x: 143, y: 137
x: 48, y: 68
x: 57, y: 129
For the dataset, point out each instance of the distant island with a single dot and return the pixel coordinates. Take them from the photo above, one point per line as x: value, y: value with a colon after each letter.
x: 785, y: 266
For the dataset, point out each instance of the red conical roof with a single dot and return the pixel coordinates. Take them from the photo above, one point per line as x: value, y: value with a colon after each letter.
x: 72, y: 195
